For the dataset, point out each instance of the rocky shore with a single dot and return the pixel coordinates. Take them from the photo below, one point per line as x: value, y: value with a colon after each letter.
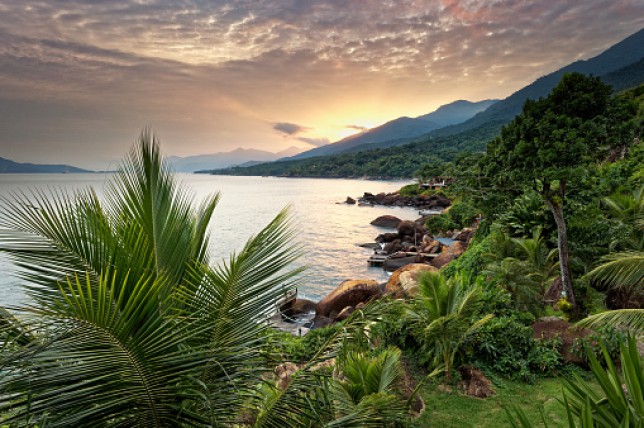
x: 395, y: 199
x: 408, y: 250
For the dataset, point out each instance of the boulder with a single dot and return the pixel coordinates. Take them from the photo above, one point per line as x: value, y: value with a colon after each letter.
x: 551, y: 327
x: 464, y: 235
x: 321, y: 321
x: 350, y: 200
x: 393, y: 246
x: 474, y: 383
x: 386, y: 237
x: 411, y: 228
x: 432, y: 247
x: 297, y: 307
x: 349, y: 293
x: 449, y: 253
x: 395, y: 285
x: 388, y: 221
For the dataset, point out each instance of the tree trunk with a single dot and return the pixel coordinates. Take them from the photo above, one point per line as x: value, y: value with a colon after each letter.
x: 556, y: 207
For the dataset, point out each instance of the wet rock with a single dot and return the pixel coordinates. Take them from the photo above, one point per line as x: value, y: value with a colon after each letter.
x: 321, y: 321
x: 297, y: 307
x: 395, y: 286
x: 386, y: 237
x: 393, y: 246
x: 388, y: 221
x: 349, y: 293
x: 350, y: 201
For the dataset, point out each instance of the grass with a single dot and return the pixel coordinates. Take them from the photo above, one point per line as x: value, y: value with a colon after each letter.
x: 454, y: 409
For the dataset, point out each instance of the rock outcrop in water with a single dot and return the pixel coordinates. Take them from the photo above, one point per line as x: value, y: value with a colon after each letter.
x: 397, y: 200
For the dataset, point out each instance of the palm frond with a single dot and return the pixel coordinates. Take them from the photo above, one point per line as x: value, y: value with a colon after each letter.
x: 631, y: 319
x: 621, y: 270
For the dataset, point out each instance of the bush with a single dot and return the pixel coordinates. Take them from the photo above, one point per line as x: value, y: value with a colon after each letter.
x: 472, y: 261
x: 440, y: 224
x: 609, y: 336
x: 505, y: 345
x: 409, y: 190
x: 284, y: 346
x: 463, y: 213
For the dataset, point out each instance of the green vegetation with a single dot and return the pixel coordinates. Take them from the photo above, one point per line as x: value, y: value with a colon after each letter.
x: 131, y: 326
x: 393, y: 162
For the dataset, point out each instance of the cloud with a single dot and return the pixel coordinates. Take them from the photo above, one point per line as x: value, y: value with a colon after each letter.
x: 289, y: 128
x: 81, y: 77
x: 357, y: 127
x: 317, y: 142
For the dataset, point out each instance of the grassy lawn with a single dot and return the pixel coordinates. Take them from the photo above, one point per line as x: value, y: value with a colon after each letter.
x: 454, y: 409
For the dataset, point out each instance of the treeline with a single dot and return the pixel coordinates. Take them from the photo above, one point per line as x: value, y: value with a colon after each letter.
x: 394, y: 162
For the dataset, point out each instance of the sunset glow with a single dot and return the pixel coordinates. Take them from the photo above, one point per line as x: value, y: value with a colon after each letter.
x: 80, y: 79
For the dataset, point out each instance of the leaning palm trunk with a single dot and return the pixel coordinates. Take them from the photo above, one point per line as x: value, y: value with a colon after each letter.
x: 128, y: 325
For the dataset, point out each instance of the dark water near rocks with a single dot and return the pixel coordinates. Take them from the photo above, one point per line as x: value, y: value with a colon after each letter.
x: 329, y: 231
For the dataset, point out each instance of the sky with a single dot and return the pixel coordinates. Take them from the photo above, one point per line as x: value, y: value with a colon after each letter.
x: 79, y: 80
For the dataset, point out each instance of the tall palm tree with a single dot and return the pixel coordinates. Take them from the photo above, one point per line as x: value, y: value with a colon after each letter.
x: 128, y: 324
x: 447, y: 312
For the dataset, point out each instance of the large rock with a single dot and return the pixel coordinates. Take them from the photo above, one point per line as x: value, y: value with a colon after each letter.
x: 393, y: 246
x: 386, y: 237
x: 401, y: 282
x: 449, y: 253
x: 389, y: 221
x: 432, y: 247
x: 349, y: 293
x: 411, y: 229
x: 297, y: 307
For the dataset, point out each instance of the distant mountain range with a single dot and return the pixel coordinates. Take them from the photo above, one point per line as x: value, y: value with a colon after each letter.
x: 10, y: 167
x: 618, y: 57
x: 403, y: 128
x: 621, y: 66
x: 241, y: 157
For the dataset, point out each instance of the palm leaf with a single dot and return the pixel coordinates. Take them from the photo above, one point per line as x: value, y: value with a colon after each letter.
x: 621, y: 270
x: 631, y: 319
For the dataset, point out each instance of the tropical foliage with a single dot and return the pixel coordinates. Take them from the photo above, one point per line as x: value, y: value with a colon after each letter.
x: 131, y: 326
x: 447, y: 312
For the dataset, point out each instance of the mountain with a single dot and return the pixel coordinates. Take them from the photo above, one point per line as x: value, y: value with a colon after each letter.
x: 9, y: 166
x: 620, y: 55
x: 621, y: 66
x: 457, y: 112
x: 228, y: 159
x: 403, y: 128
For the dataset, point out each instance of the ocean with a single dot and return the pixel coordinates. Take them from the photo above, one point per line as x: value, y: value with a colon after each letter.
x: 329, y: 229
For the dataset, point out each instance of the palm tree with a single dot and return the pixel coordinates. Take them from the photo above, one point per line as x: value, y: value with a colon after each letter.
x: 623, y: 271
x: 129, y: 325
x: 447, y: 312
x: 526, y: 268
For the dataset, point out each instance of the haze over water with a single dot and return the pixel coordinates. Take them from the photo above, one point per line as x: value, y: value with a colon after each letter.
x: 329, y: 231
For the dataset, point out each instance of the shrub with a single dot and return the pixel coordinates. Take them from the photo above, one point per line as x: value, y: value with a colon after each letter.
x: 409, y: 190
x: 606, y: 335
x: 506, y: 346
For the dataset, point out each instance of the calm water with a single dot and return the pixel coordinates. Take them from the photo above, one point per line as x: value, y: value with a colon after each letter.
x: 328, y: 230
